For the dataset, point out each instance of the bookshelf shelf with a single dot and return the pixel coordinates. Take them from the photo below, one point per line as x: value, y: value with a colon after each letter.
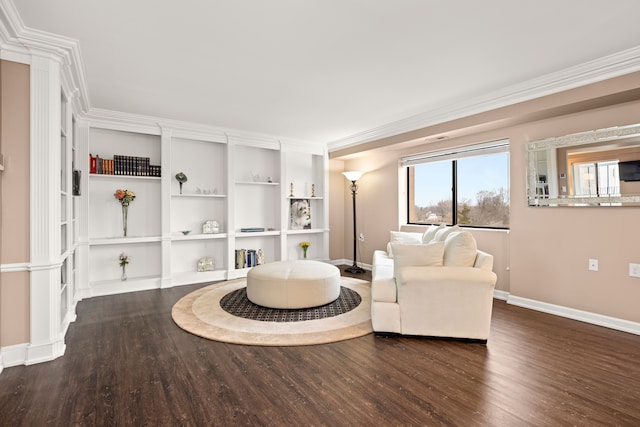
x: 121, y: 177
x: 202, y: 196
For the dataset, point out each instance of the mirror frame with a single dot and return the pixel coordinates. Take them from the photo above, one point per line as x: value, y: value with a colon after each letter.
x: 582, y: 138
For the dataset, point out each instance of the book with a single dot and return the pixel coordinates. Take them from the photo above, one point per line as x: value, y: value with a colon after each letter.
x: 92, y: 164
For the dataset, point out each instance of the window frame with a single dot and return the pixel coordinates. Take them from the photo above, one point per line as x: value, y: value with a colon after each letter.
x: 453, y: 155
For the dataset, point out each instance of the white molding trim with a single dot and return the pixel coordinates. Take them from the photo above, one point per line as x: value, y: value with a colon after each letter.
x: 13, y: 355
x: 501, y: 295
x: 15, y: 267
x: 572, y: 313
x: 614, y: 65
x: 20, y: 43
x: 45, y: 351
x: 28, y: 354
x: 117, y: 120
x: 114, y: 287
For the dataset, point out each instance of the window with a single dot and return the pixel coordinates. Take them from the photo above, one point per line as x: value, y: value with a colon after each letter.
x: 600, y: 179
x: 468, y: 187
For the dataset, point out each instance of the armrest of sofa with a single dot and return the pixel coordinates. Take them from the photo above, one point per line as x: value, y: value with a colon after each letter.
x: 446, y: 301
x: 383, y: 284
x: 484, y: 261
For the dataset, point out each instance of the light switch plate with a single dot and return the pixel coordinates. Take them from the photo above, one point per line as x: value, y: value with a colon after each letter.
x: 593, y: 264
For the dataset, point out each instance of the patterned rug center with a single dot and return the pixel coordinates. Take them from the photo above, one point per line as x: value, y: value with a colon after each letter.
x: 237, y: 303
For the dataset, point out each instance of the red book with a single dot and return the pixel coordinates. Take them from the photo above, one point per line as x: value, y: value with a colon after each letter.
x: 92, y: 164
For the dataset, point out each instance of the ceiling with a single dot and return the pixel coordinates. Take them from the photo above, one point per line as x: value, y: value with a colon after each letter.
x: 326, y: 70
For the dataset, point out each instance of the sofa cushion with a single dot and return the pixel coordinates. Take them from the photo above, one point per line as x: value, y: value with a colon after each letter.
x: 460, y: 249
x: 417, y: 255
x: 441, y: 234
x: 404, y: 237
x: 430, y: 232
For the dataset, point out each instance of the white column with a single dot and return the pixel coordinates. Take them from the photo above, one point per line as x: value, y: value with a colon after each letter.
x: 46, y: 340
x: 165, y: 208
x: 231, y: 200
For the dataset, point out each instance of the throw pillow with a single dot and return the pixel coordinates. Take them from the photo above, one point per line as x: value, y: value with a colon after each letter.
x: 441, y: 235
x: 431, y: 231
x: 460, y: 249
x: 404, y: 237
x: 417, y: 255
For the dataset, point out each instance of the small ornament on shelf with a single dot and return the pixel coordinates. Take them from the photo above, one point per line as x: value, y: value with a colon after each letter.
x: 181, y: 178
x: 210, y: 227
x: 291, y: 190
x: 123, y: 260
x: 125, y: 197
x: 304, y: 246
x: 205, y: 264
x: 313, y: 190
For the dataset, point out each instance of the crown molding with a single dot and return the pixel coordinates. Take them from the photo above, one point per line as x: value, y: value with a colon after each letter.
x: 20, y: 43
x: 129, y: 122
x: 601, y: 69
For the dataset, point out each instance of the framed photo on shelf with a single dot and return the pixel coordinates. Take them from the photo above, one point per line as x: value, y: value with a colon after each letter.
x: 300, y: 214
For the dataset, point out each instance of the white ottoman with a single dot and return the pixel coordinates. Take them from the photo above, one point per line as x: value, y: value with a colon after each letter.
x: 293, y: 284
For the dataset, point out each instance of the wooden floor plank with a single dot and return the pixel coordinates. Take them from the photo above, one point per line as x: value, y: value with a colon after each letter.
x: 128, y: 364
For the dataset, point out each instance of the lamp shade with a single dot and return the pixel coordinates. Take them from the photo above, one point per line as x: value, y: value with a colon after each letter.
x: 353, y: 175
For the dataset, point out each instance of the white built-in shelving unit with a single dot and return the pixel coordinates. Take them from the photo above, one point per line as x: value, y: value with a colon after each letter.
x: 68, y: 218
x: 240, y: 182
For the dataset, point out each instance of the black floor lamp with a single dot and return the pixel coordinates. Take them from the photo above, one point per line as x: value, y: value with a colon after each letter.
x: 353, y: 176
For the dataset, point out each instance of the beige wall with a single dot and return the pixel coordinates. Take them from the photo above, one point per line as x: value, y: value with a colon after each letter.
x: 14, y: 210
x: 337, y: 186
x: 545, y: 254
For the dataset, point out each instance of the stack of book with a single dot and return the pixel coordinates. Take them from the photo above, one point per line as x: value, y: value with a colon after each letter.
x: 246, y: 258
x: 123, y: 165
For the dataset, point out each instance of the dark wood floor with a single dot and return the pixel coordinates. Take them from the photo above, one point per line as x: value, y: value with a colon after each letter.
x: 128, y: 364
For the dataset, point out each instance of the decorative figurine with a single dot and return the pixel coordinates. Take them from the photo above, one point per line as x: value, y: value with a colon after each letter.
x: 205, y: 264
x: 291, y: 190
x: 313, y: 190
x: 210, y: 227
x: 181, y: 178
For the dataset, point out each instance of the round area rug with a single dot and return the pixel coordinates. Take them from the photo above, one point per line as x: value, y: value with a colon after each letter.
x: 238, y: 304
x: 200, y: 313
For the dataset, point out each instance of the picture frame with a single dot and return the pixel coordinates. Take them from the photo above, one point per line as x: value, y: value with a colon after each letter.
x: 75, y: 182
x: 300, y: 214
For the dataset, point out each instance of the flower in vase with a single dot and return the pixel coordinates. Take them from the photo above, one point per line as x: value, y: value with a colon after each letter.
x: 124, y: 196
x: 124, y: 259
x: 304, y: 246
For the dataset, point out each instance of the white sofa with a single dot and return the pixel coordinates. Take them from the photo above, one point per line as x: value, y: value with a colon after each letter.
x: 440, y: 287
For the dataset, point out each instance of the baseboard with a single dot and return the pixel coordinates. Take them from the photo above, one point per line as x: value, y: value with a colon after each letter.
x: 14, y: 355
x: 501, y: 295
x: 582, y: 316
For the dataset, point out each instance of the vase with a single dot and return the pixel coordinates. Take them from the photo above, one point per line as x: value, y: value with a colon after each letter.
x: 125, y: 211
x: 123, y: 277
x: 304, y: 252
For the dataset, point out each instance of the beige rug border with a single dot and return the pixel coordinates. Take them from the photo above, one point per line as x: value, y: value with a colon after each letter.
x: 193, y: 314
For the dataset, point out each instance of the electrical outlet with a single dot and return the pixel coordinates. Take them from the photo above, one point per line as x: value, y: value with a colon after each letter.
x: 593, y: 264
x: 634, y: 270
x: 361, y: 237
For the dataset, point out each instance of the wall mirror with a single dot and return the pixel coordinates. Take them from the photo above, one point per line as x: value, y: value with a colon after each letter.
x: 594, y: 168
